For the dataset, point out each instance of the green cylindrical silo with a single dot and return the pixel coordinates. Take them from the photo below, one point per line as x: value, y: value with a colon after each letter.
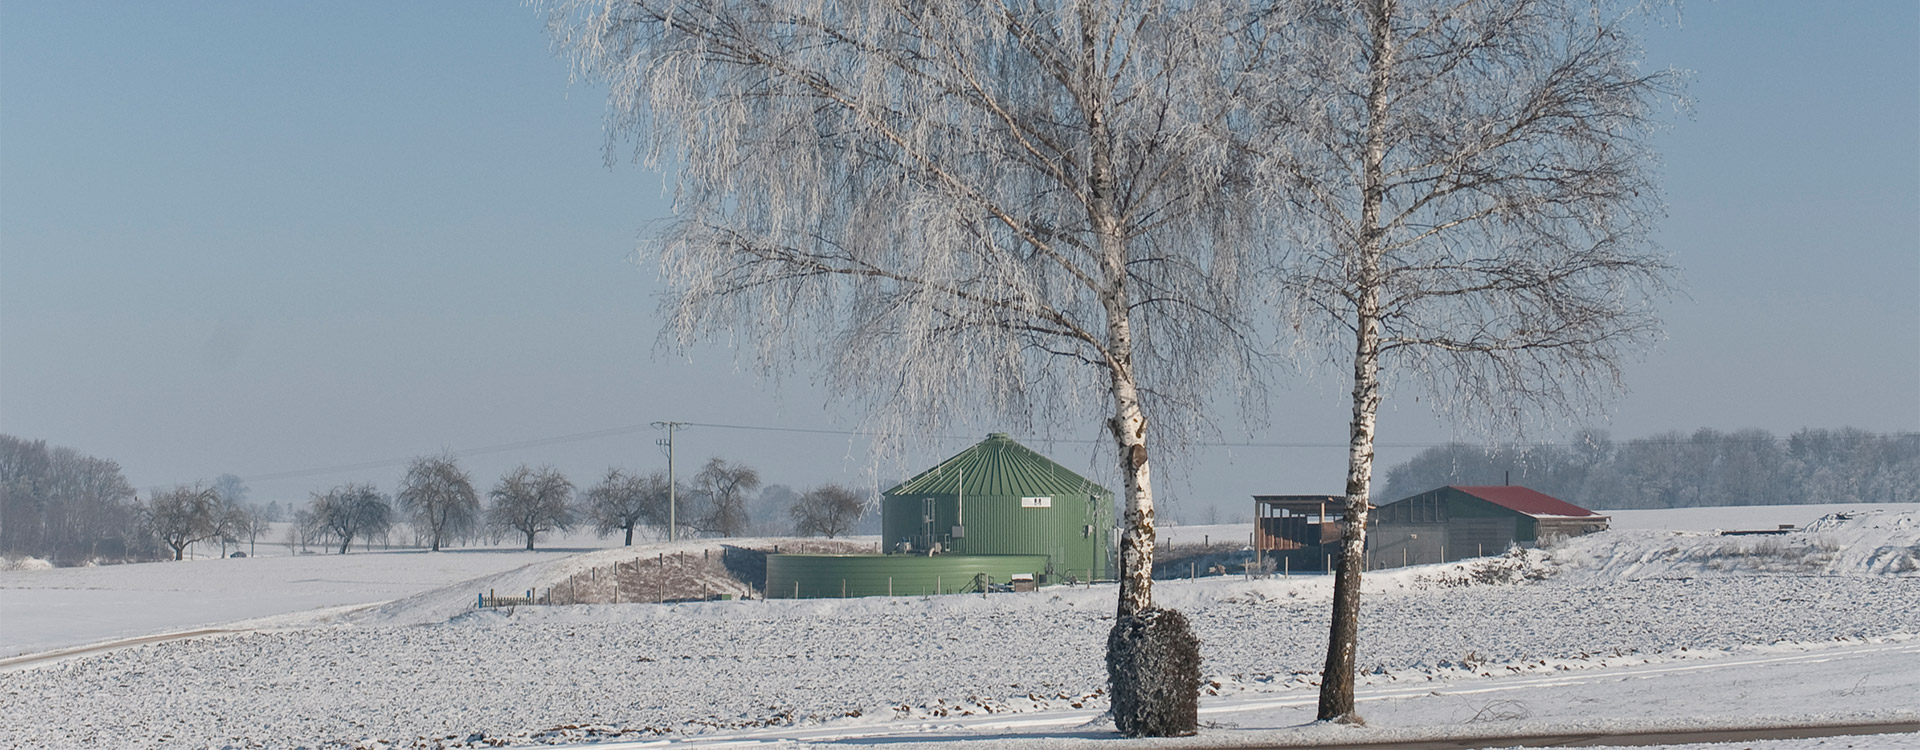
x: 1002, y: 498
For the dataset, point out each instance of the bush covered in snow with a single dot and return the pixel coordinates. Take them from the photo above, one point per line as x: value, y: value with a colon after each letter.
x: 1518, y: 565
x: 1153, y: 665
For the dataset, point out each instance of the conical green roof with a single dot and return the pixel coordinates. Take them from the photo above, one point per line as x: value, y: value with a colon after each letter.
x: 998, y: 466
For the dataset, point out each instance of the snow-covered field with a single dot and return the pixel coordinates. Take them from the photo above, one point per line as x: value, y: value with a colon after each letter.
x: 1628, y: 629
x: 1745, y: 517
x: 45, y: 608
x: 60, y: 607
x: 1749, y: 517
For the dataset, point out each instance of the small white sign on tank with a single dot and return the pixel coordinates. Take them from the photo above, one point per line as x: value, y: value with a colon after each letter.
x: 1036, y: 502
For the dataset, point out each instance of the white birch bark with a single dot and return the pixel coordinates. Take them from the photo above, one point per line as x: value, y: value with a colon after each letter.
x: 1472, y: 192
x: 1038, y: 212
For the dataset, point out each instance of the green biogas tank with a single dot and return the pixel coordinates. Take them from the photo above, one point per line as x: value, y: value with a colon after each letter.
x: 1002, y: 498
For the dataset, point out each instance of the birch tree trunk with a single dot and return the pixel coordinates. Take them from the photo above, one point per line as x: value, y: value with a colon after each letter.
x: 982, y: 193
x: 1336, y: 681
x: 1472, y: 187
x: 1129, y: 421
x: 1137, y: 540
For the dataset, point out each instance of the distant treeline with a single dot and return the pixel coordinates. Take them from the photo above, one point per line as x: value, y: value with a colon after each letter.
x: 61, y: 504
x: 1679, y: 470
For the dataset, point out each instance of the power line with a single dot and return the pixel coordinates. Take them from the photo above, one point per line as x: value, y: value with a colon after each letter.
x: 629, y: 429
x: 482, y: 450
x: 1075, y: 441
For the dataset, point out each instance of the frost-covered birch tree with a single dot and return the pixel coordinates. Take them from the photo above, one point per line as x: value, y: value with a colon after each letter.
x: 1472, y: 187
x: 1037, y: 211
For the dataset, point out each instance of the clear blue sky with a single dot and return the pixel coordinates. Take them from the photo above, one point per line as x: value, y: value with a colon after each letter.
x: 265, y: 237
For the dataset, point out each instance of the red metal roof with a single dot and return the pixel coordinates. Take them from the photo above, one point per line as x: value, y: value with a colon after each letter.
x: 1523, y: 500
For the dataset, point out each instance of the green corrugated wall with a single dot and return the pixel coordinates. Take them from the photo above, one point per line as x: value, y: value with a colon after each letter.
x: 829, y: 576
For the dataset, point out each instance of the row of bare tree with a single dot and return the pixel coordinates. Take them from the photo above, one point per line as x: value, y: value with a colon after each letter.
x: 61, y: 505
x: 438, y: 499
x: 189, y: 514
x: 1112, y: 213
x: 1682, y: 470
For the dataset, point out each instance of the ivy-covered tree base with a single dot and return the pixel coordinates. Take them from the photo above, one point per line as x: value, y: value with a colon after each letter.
x: 1153, y: 666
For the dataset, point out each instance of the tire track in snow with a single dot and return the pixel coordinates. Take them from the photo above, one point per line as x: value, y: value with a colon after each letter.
x: 29, y: 661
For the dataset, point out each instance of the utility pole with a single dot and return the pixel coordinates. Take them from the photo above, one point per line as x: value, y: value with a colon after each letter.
x: 673, y: 485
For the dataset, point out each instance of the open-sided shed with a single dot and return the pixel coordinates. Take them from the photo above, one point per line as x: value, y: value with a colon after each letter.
x: 1298, y: 532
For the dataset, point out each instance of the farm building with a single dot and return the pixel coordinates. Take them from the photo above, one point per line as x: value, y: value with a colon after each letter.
x: 1298, y: 532
x: 1455, y: 523
x: 994, y: 513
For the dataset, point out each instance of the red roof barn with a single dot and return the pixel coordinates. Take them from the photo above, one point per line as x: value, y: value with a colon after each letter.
x: 1453, y: 523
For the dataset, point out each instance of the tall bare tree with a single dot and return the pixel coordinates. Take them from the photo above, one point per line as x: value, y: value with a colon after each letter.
x: 234, y: 521
x: 723, y: 488
x: 1473, y: 185
x: 257, y: 524
x: 349, y: 512
x: 532, y: 502
x: 1037, y: 211
x: 439, y: 496
x: 183, y: 515
x: 829, y: 510
x: 622, y: 501
x: 235, y: 517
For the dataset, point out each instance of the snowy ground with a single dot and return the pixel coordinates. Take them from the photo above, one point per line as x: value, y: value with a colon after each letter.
x: 1749, y: 517
x: 60, y: 607
x: 1762, y: 686
x: 48, y: 608
x: 1744, y: 517
x: 1631, y: 629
